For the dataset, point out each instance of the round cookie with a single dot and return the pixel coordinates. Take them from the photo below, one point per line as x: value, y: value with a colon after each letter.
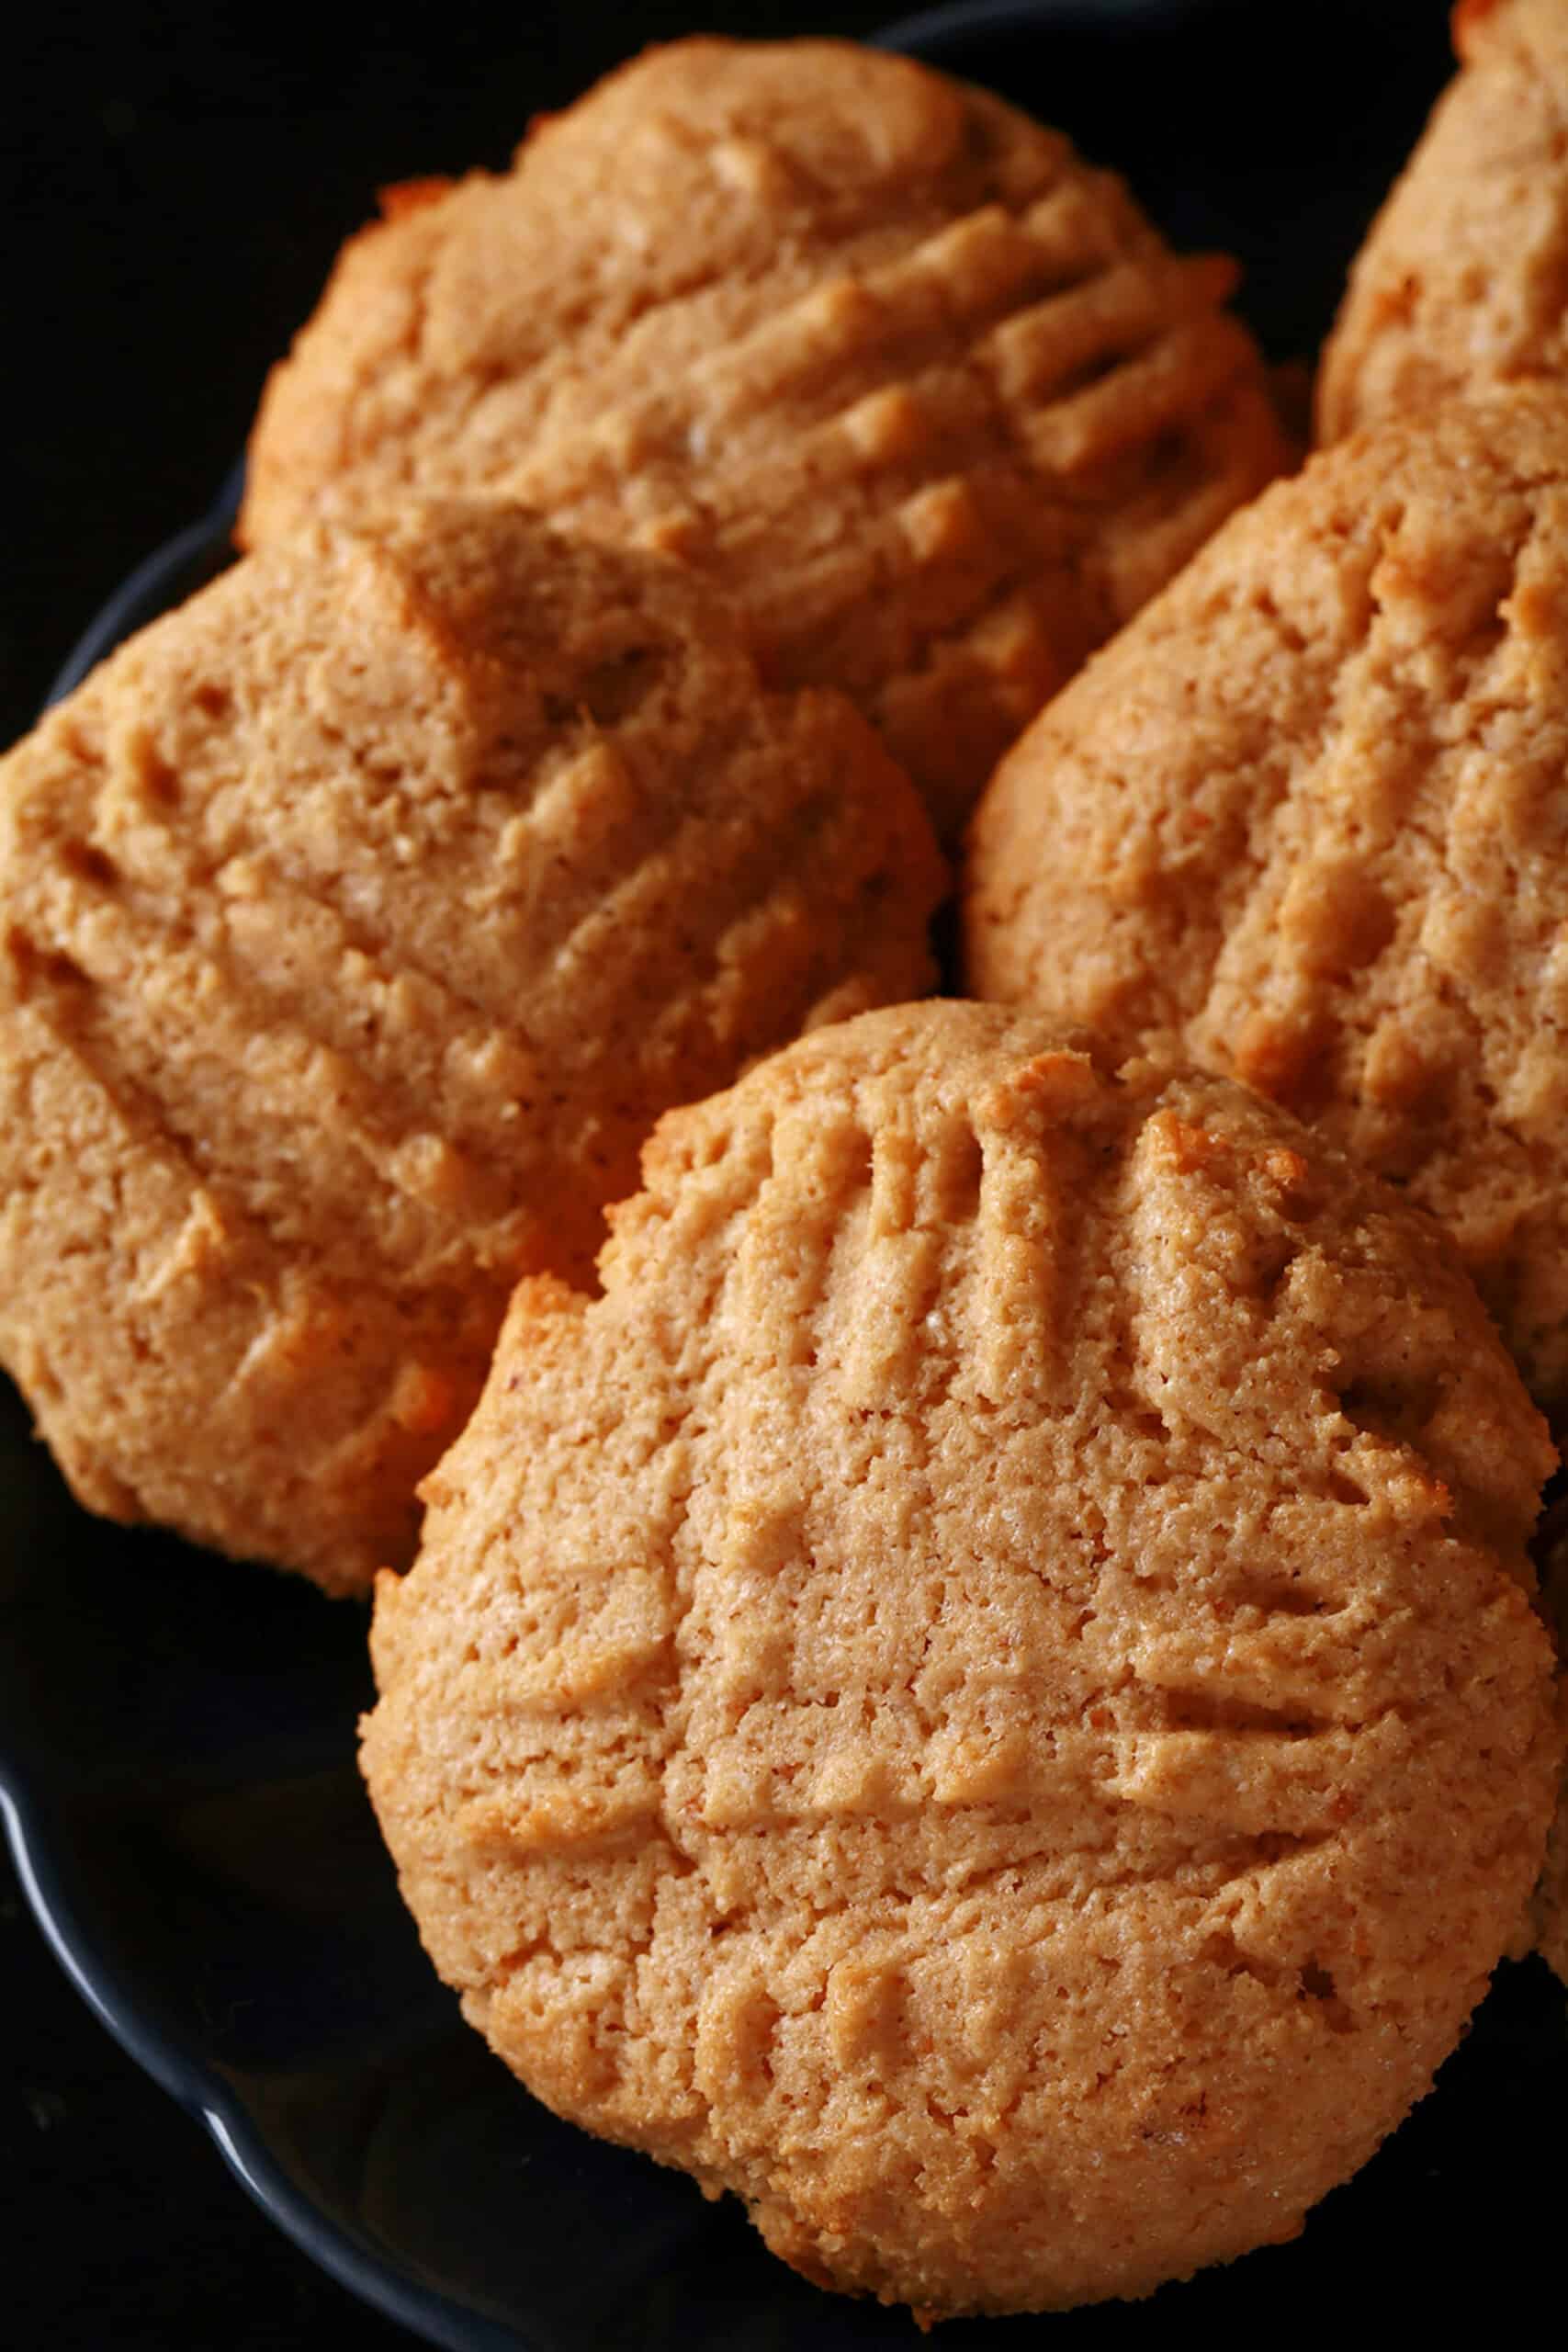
x: 984, y: 1694
x: 925, y: 393
x: 1463, y: 282
x: 1305, y: 821
x: 356, y: 922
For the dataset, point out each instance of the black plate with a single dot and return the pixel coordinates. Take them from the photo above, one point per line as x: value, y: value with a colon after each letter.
x: 176, y: 1764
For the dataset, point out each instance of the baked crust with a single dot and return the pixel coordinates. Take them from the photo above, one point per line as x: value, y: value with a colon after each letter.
x: 985, y: 1695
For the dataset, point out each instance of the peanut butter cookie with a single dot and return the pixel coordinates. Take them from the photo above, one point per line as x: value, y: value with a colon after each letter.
x: 928, y: 395
x: 356, y: 922
x: 1462, y: 283
x: 1305, y: 821
x: 984, y: 1694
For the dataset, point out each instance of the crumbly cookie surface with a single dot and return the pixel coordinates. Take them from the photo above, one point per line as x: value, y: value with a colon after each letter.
x: 358, y: 921
x: 926, y: 393
x: 984, y: 1695
x: 1305, y: 821
x: 1463, y: 282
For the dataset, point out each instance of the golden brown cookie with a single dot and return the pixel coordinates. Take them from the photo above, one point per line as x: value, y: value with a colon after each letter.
x: 984, y: 1694
x: 357, y: 921
x: 927, y: 394
x: 1463, y: 282
x: 1304, y: 822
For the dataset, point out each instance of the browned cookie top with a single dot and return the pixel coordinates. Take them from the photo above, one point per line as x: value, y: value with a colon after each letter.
x: 1463, y: 282
x: 927, y: 393
x: 1306, y: 820
x: 984, y: 1694
x: 357, y: 921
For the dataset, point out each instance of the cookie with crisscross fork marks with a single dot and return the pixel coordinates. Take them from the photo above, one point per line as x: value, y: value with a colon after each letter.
x: 985, y: 1695
x: 356, y: 922
x: 928, y: 395
x: 1307, y: 821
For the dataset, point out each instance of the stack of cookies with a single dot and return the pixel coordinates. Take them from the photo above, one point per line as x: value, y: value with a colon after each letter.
x: 972, y: 1669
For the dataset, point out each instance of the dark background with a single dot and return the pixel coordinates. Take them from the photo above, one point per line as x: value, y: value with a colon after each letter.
x: 173, y: 186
